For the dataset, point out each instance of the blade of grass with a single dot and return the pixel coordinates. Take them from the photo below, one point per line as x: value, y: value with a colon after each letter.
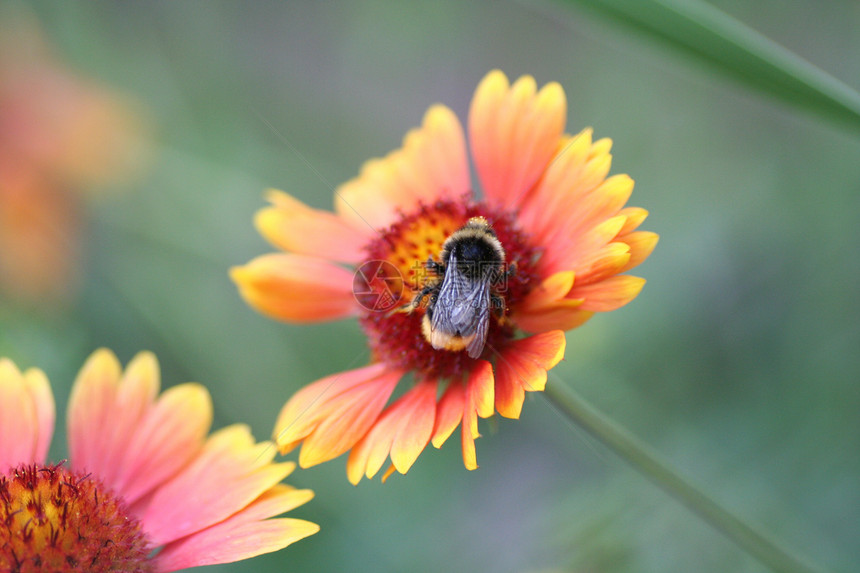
x: 648, y: 462
x: 703, y: 31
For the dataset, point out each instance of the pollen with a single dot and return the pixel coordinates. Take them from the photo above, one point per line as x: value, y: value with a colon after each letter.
x: 55, y: 519
x: 414, y: 239
x: 396, y: 337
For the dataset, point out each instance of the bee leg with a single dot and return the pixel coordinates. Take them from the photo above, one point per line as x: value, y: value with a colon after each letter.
x: 498, y: 306
x: 437, y: 267
x: 415, y: 302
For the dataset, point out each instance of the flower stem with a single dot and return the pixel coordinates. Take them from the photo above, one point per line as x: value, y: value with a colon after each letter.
x: 648, y: 462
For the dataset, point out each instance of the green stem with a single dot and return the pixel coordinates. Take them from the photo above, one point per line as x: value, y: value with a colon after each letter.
x: 648, y: 462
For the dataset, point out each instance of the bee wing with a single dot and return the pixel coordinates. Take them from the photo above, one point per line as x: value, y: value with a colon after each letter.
x: 463, y: 308
x: 476, y: 345
x: 448, y: 308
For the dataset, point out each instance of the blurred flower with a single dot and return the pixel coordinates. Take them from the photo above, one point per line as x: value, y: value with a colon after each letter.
x: 560, y: 220
x: 60, y: 134
x: 142, y: 475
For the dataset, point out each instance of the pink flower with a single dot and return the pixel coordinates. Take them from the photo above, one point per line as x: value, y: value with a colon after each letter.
x: 143, y: 474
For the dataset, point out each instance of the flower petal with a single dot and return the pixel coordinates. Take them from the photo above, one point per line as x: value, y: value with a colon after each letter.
x: 296, y: 288
x: 547, y: 308
x: 449, y: 412
x: 431, y: 165
x: 119, y: 402
x: 402, y: 431
x: 641, y: 244
x: 479, y: 402
x: 553, y: 288
x: 149, y: 441
x: 292, y: 226
x: 605, y: 201
x: 602, y: 263
x: 635, y: 216
x: 462, y: 403
x: 243, y: 535
x: 330, y: 415
x: 579, y: 249
x: 609, y: 294
x: 26, y: 415
x: 228, y: 474
x: 168, y: 437
x: 522, y: 367
x: 227, y: 542
x: 468, y: 435
x: 558, y: 205
x: 480, y: 389
x: 565, y: 314
x: 92, y: 410
x: 588, y: 226
x: 514, y: 133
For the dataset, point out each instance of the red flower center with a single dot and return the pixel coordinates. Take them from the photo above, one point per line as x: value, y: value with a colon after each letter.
x: 54, y: 519
x: 395, y: 334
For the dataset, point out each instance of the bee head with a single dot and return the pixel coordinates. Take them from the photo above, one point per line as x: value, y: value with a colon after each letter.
x: 475, y: 247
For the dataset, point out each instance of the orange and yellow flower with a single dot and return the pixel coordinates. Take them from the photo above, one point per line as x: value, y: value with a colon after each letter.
x: 142, y: 475
x: 562, y: 223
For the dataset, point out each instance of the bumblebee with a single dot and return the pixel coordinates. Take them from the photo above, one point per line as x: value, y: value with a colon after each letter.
x: 465, y: 289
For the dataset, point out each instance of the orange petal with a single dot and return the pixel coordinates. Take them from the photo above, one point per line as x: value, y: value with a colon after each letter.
x: 561, y: 315
x: 26, y: 416
x: 574, y: 251
x: 551, y: 289
x: 547, y: 308
x: 309, y: 406
x: 479, y: 389
x: 602, y: 263
x: 388, y: 472
x: 577, y: 168
x: 230, y: 472
x: 589, y: 225
x: 560, y: 185
x: 605, y: 201
x: 641, y: 244
x: 522, y: 367
x: 479, y: 402
x: 635, y: 216
x: 243, y: 535
x: 431, y: 165
x: 292, y: 226
x: 332, y: 414
x: 468, y: 433
x: 296, y: 288
x: 514, y: 133
x: 609, y: 294
x: 449, y: 412
x: 402, y: 432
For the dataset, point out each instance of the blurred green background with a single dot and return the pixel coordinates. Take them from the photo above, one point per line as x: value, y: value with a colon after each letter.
x: 740, y: 360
